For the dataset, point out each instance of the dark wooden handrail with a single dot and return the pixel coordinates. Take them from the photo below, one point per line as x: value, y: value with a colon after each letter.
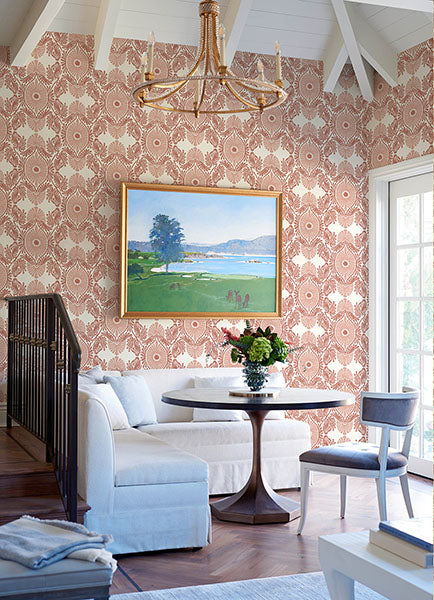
x: 42, y: 385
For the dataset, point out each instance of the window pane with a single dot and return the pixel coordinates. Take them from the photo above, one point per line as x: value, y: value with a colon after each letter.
x: 408, y: 272
x: 408, y: 324
x: 427, y: 434
x: 407, y: 214
x: 427, y: 271
x: 408, y: 370
x: 427, y: 390
x: 427, y: 326
x: 414, y: 448
x: 427, y: 217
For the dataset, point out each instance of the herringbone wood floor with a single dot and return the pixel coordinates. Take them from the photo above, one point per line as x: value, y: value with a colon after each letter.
x: 247, y: 552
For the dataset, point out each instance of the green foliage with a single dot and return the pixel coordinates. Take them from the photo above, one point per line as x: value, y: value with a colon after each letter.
x: 135, y: 269
x: 260, y: 350
x: 235, y: 356
x: 166, y: 238
x: 280, y: 350
x: 262, y: 346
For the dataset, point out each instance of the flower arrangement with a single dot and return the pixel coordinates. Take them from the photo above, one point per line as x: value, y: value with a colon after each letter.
x: 256, y: 350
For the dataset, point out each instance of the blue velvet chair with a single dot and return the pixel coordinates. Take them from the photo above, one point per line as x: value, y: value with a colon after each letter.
x: 388, y: 411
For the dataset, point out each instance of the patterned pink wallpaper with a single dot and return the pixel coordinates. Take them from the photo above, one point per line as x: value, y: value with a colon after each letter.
x: 399, y: 123
x: 69, y: 135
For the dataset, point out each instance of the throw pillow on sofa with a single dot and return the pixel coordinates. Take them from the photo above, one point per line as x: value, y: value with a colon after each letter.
x: 211, y: 414
x: 135, y: 396
x: 94, y: 375
x: 106, y: 395
x: 276, y: 380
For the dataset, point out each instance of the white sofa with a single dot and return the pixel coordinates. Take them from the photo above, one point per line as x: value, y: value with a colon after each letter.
x: 148, y: 486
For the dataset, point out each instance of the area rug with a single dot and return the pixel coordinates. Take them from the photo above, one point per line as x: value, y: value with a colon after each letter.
x: 305, y: 586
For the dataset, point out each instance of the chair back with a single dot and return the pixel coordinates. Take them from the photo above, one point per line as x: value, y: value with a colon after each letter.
x: 392, y: 410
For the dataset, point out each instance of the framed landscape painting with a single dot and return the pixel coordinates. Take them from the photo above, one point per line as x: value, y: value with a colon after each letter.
x: 199, y: 252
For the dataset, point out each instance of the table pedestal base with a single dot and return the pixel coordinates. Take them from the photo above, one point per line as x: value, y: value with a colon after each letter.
x: 255, y: 507
x: 256, y: 502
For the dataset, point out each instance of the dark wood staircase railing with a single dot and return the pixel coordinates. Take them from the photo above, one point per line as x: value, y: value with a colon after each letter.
x: 43, y: 365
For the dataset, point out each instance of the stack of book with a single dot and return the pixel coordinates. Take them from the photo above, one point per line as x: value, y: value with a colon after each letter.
x: 411, y: 539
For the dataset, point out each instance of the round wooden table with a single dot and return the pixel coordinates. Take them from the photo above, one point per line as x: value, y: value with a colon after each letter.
x: 257, y: 502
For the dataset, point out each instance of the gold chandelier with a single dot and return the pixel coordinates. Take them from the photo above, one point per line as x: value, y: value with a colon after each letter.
x: 208, y: 75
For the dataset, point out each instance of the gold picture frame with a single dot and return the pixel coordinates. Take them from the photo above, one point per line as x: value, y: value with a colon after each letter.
x: 177, y: 273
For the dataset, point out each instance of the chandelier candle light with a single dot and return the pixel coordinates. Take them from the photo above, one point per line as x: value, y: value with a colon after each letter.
x: 208, y: 75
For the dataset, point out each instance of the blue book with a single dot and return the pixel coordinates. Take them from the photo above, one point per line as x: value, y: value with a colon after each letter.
x: 418, y: 532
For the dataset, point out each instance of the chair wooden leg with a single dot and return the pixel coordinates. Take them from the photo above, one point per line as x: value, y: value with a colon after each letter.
x: 304, y: 482
x: 403, y: 480
x: 343, y: 486
x: 381, y: 494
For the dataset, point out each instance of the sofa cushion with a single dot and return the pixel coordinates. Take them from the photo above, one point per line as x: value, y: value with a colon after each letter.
x: 192, y: 435
x: 201, y: 415
x: 210, y: 414
x: 107, y: 396
x: 134, y: 395
x: 141, y: 459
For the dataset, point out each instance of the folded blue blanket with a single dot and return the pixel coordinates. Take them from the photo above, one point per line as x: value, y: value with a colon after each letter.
x: 36, y: 543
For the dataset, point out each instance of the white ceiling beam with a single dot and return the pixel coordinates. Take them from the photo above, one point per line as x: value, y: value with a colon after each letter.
x: 36, y: 22
x: 235, y: 19
x: 419, y: 5
x: 105, y: 30
x: 335, y: 56
x: 363, y: 71
x: 374, y: 49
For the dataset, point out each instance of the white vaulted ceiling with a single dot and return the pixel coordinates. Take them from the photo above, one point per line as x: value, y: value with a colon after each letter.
x: 302, y: 26
x: 305, y: 28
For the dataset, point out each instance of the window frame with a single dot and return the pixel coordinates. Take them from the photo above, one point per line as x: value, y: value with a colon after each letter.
x: 378, y: 266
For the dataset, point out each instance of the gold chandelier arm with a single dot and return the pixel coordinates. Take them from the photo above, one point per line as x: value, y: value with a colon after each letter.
x: 238, y: 97
x: 164, y: 96
x: 201, y: 51
x: 255, y: 90
x: 192, y: 72
x: 166, y: 85
x: 207, y: 70
x: 202, y: 96
x: 196, y: 66
x: 208, y: 64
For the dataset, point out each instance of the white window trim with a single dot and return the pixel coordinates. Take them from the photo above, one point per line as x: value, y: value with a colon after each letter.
x: 379, y: 180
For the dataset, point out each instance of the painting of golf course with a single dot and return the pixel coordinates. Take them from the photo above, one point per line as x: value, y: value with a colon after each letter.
x: 199, y: 252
